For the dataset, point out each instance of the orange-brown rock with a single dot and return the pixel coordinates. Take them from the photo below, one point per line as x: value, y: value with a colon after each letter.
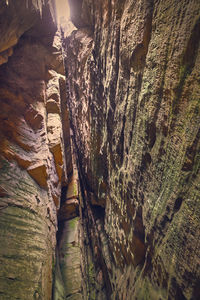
x: 72, y: 188
x: 32, y: 163
x: 33, y: 118
x: 52, y: 106
x: 39, y: 173
x: 69, y: 209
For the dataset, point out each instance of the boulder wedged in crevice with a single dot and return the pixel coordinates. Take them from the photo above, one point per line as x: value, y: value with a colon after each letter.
x: 128, y: 116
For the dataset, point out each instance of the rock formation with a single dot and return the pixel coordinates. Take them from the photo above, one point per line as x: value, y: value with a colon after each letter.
x: 133, y: 84
x: 99, y: 154
x: 32, y: 165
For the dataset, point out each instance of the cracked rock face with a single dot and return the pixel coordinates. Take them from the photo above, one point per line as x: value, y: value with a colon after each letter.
x: 133, y: 88
x: 32, y: 163
x: 132, y: 175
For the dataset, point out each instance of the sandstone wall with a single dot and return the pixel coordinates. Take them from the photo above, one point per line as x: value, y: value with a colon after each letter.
x: 32, y: 164
x: 133, y: 86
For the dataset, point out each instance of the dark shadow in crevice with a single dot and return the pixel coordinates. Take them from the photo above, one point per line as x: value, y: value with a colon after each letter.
x: 98, y: 212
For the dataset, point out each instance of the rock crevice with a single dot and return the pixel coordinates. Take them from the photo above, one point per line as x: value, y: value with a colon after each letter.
x: 134, y: 106
x: 99, y: 146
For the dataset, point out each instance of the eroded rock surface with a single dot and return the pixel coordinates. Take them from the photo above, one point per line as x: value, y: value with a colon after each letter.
x: 129, y: 219
x: 68, y: 277
x: 133, y: 86
x: 32, y: 163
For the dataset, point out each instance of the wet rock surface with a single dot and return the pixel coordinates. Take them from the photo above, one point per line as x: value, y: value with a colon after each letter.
x: 133, y: 89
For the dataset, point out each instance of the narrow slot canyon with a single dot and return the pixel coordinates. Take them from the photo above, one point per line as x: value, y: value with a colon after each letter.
x: 99, y: 150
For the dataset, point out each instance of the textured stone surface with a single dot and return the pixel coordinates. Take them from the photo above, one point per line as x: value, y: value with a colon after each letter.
x: 32, y: 163
x: 19, y: 16
x: 132, y: 71
x: 133, y: 84
x: 68, y: 279
x: 27, y: 236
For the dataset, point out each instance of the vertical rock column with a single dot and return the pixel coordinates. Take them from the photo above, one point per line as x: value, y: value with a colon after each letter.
x: 32, y: 164
x: 68, y: 277
x: 133, y: 78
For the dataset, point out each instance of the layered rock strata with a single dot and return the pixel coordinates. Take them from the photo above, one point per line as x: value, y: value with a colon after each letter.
x: 127, y: 198
x: 32, y: 163
x: 133, y: 82
x: 67, y: 277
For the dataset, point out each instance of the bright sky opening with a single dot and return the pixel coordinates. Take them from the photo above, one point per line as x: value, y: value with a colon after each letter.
x: 63, y: 12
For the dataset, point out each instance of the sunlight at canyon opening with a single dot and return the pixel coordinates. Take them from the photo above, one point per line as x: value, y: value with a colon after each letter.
x: 63, y: 12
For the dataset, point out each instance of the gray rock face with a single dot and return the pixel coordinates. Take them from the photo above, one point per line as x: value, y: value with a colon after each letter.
x: 68, y: 279
x: 133, y: 89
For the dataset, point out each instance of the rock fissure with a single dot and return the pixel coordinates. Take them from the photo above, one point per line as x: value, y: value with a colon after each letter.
x: 99, y: 150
